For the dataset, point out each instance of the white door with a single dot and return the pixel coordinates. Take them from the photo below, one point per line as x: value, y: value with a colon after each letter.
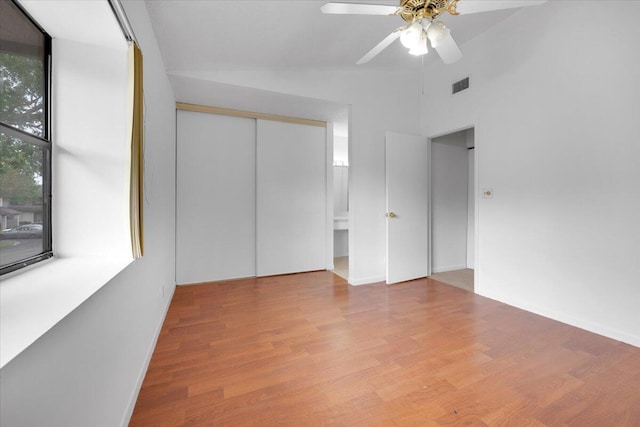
x: 216, y: 212
x: 291, y: 208
x: 407, y: 175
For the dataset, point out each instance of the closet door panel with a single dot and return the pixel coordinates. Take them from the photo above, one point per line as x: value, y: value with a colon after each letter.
x: 216, y: 193
x: 291, y: 198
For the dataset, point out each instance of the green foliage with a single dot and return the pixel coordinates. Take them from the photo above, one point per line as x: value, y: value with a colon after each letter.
x: 20, y: 169
x: 21, y: 106
x: 21, y: 92
x: 19, y: 188
x: 19, y: 156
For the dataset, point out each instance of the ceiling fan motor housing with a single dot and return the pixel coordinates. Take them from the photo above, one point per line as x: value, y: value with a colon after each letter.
x: 416, y: 10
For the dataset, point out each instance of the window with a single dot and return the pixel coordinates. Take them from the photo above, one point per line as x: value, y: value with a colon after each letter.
x: 25, y: 146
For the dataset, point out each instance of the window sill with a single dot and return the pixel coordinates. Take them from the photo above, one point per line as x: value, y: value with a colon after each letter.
x: 32, y: 301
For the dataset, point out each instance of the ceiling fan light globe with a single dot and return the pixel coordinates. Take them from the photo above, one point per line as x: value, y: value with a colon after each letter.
x: 421, y: 47
x: 419, y: 51
x: 410, y: 36
x: 436, y: 32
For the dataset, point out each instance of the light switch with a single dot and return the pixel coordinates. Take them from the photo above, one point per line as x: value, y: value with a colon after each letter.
x: 487, y: 193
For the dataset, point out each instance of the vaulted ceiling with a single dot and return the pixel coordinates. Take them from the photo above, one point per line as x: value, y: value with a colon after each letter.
x: 249, y: 34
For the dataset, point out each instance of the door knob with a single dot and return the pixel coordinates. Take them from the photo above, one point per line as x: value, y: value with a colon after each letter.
x: 390, y: 215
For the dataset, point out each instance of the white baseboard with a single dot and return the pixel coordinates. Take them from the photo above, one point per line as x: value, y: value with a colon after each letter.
x: 143, y: 372
x: 568, y: 319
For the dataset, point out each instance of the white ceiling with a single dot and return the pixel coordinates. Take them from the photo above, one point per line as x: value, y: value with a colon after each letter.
x: 201, y: 37
x: 271, y: 34
x: 217, y: 94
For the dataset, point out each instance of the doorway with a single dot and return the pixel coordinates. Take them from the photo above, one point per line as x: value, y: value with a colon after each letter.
x: 453, y: 208
x: 341, y: 202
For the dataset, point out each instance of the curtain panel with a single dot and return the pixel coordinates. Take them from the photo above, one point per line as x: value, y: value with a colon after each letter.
x: 136, y: 132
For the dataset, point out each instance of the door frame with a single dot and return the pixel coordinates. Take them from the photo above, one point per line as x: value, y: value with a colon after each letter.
x: 327, y: 125
x: 476, y: 202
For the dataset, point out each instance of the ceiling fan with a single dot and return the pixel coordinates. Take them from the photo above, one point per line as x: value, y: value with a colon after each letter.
x: 422, y: 25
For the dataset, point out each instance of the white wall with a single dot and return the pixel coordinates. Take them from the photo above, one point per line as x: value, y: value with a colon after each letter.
x: 340, y: 209
x: 86, y: 370
x: 340, y: 190
x: 377, y: 105
x: 449, y: 213
x: 471, y: 211
x: 340, y: 243
x: 90, y: 184
x: 341, y: 149
x: 555, y: 98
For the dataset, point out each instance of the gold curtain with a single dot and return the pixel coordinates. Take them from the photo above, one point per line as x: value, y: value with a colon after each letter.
x: 136, y: 127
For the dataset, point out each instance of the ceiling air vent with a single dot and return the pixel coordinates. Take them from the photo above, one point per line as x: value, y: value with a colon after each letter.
x: 460, y: 85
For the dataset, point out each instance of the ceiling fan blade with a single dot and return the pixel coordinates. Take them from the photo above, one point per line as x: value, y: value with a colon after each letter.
x: 475, y: 6
x: 380, y: 47
x: 448, y: 50
x: 358, y: 9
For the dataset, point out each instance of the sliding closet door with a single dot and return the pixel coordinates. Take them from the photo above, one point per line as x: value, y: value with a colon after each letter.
x: 291, y: 198
x: 216, y: 215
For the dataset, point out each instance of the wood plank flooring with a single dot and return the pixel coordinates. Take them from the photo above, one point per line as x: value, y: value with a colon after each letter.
x: 310, y: 350
x: 462, y: 279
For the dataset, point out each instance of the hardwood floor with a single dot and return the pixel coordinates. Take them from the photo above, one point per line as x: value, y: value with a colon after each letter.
x: 462, y: 279
x: 309, y: 350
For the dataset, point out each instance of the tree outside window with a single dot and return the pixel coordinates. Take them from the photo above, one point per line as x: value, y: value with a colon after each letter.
x: 25, y: 146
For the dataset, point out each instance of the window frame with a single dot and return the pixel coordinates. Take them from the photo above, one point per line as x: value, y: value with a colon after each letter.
x: 44, y: 142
